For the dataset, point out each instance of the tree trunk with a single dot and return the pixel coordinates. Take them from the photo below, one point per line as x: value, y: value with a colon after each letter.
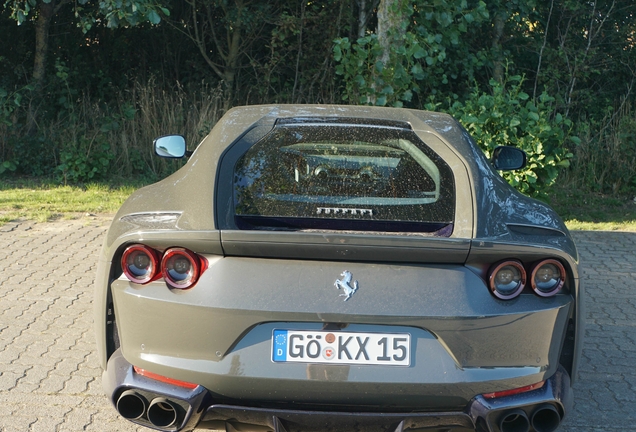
x: 46, y: 11
x: 234, y: 53
x: 543, y: 45
x: 362, y: 18
x: 365, y: 12
x: 300, y: 50
x: 498, y: 67
x: 391, y: 28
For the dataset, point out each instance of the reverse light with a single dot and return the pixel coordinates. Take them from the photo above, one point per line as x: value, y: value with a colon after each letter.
x: 164, y: 379
x: 140, y: 263
x: 548, y: 277
x: 181, y: 268
x: 507, y: 279
x: 514, y: 391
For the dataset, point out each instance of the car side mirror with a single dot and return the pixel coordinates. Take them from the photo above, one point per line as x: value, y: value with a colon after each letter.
x: 171, y: 146
x: 507, y: 158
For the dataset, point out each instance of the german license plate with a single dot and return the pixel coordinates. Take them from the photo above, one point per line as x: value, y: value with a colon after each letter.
x: 390, y: 349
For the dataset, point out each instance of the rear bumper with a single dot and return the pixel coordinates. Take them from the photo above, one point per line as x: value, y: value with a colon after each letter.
x: 198, y: 408
x: 218, y: 334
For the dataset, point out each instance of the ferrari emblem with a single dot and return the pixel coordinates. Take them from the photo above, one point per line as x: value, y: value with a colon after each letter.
x: 345, y: 285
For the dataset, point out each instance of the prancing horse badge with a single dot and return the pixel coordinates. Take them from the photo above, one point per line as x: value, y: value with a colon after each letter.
x: 345, y: 284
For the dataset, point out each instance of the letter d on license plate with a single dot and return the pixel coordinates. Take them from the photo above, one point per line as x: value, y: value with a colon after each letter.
x: 391, y: 349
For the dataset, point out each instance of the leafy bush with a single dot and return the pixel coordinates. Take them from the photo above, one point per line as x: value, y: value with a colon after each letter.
x: 7, y: 166
x: 33, y: 155
x: 84, y: 161
x: 605, y: 158
x: 18, y: 152
x: 507, y: 116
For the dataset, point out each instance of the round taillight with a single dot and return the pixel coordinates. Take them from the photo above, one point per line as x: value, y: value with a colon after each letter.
x: 180, y: 267
x: 507, y: 279
x: 140, y: 263
x: 548, y: 277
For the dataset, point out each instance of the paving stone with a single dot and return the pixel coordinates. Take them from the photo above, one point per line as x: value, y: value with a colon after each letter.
x: 18, y: 422
x: 50, y: 379
x: 604, y: 393
x: 46, y: 328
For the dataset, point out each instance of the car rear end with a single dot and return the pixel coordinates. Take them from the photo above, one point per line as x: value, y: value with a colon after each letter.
x: 339, y: 290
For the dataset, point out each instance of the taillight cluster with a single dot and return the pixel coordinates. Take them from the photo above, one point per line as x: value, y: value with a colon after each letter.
x: 507, y: 279
x: 179, y: 267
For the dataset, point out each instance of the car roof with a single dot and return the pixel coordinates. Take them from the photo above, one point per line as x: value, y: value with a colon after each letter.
x: 495, y: 203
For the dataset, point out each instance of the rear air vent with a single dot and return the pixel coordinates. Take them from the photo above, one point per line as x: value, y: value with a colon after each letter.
x: 531, y: 230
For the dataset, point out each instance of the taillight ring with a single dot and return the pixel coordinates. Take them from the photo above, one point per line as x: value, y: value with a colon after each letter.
x: 558, y: 284
x: 180, y: 268
x: 140, y: 263
x: 516, y: 282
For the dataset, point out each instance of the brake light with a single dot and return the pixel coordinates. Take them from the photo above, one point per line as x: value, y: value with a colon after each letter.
x: 548, y: 277
x: 507, y: 279
x: 181, y: 268
x: 140, y: 263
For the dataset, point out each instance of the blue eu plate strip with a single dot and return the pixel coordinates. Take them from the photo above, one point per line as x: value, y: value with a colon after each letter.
x: 279, y: 346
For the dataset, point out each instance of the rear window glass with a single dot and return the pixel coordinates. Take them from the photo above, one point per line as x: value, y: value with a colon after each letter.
x: 343, y: 177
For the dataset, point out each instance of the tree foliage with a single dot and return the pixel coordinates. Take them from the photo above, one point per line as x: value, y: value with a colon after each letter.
x: 86, y: 12
x: 415, y: 58
x: 114, y: 12
x: 79, y: 66
x: 508, y: 116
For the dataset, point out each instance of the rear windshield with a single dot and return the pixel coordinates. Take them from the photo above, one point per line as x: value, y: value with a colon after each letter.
x: 343, y: 177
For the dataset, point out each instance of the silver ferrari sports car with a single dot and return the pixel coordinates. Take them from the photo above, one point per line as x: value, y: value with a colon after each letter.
x: 338, y: 268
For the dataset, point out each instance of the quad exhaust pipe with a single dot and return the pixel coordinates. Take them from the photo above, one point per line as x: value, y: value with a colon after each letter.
x: 546, y: 418
x: 161, y: 412
x: 514, y: 421
x: 538, y: 410
x: 131, y: 405
x: 166, y: 407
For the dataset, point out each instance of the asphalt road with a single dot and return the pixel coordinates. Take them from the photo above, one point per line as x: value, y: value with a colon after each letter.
x: 49, y: 375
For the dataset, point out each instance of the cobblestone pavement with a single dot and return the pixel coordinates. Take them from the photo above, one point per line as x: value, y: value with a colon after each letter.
x: 49, y: 375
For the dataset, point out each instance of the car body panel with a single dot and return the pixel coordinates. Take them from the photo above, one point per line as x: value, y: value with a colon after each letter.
x: 454, y: 338
x: 434, y: 286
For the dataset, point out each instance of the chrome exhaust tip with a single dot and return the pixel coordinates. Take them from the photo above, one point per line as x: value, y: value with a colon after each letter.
x: 514, y: 421
x: 162, y: 413
x: 131, y: 405
x: 546, y: 418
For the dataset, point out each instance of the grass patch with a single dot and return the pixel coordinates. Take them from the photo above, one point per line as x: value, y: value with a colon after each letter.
x: 44, y: 200
x: 590, y: 211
